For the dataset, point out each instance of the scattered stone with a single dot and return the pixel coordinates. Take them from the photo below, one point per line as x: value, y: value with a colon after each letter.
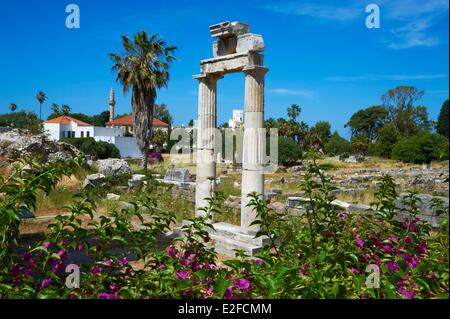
x: 94, y: 180
x: 333, y: 159
x: 136, y: 180
x: 180, y: 175
x: 351, y: 159
x: 18, y: 144
x: 25, y: 213
x: 112, y: 196
x: 113, y: 167
x: 296, y: 168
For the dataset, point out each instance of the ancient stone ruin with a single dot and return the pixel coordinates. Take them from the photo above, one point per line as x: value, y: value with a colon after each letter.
x: 237, y: 50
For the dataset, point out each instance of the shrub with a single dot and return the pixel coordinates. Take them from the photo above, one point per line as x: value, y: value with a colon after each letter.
x: 322, y: 254
x: 23, y: 120
x: 422, y: 148
x: 289, y: 152
x: 89, y: 146
x: 387, y: 137
x: 337, y: 145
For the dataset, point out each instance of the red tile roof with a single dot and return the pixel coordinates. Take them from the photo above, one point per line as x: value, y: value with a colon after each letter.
x: 66, y: 120
x: 128, y: 120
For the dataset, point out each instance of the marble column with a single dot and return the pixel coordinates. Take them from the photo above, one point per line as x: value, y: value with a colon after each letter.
x: 254, y: 143
x: 207, y: 122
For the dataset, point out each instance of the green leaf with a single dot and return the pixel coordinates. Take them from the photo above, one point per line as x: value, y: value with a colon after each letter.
x: 221, y: 285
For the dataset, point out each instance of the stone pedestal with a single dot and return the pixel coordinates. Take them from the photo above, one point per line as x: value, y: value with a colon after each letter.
x: 254, y: 143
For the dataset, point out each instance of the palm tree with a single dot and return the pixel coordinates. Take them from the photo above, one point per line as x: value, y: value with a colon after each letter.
x: 143, y: 67
x: 55, y: 108
x: 65, y: 109
x: 41, y: 97
x: 293, y: 112
x: 13, y: 107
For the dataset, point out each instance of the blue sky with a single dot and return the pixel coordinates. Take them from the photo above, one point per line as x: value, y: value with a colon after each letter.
x: 321, y: 56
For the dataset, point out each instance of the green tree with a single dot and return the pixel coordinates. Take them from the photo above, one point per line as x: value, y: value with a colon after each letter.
x: 13, y: 107
x: 22, y: 120
x: 162, y: 112
x: 319, y: 135
x: 191, y: 123
x: 387, y: 137
x: 41, y: 97
x: 289, y: 152
x: 368, y: 121
x: 407, y: 118
x: 421, y: 148
x: 100, y: 119
x: 442, y: 123
x: 360, y: 145
x: 160, y: 138
x: 143, y: 68
x: 337, y: 145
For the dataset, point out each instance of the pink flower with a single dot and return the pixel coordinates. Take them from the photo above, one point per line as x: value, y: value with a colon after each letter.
x: 359, y: 242
x: 206, y: 239
x: 409, y: 294
x: 422, y: 248
x: 44, y: 283
x: 105, y: 295
x: 353, y: 270
x: 408, y: 240
x: 342, y: 215
x: 393, y: 266
x: 162, y: 266
x: 96, y: 270
x: 413, y: 262
x: 123, y: 261
x: 259, y: 261
x: 242, y: 284
x: 387, y: 249
x: 183, y: 274
x: 392, y: 239
x: 46, y: 244
x: 172, y: 252
x: 63, y: 242
x: 185, y: 262
x: 80, y: 247
x: 62, y: 254
x: 108, y: 262
x: 114, y: 288
x: 228, y: 292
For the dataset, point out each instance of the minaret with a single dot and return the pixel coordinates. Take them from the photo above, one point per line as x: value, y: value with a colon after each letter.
x: 112, y: 103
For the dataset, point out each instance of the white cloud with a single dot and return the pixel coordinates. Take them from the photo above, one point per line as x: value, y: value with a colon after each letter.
x: 394, y: 77
x: 304, y: 93
x: 324, y: 11
x: 409, y: 21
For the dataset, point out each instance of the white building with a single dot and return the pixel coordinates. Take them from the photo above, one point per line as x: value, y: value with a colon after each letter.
x: 237, y: 120
x: 66, y: 126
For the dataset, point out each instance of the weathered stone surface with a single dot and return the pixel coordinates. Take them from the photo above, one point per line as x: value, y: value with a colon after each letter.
x: 180, y: 175
x: 113, y: 167
x: 18, y: 144
x: 94, y: 180
x: 112, y: 196
x: 136, y: 180
x: 427, y: 210
x: 25, y: 213
x: 296, y: 168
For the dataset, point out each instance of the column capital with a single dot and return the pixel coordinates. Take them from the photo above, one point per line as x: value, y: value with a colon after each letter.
x: 256, y: 70
x: 212, y: 77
